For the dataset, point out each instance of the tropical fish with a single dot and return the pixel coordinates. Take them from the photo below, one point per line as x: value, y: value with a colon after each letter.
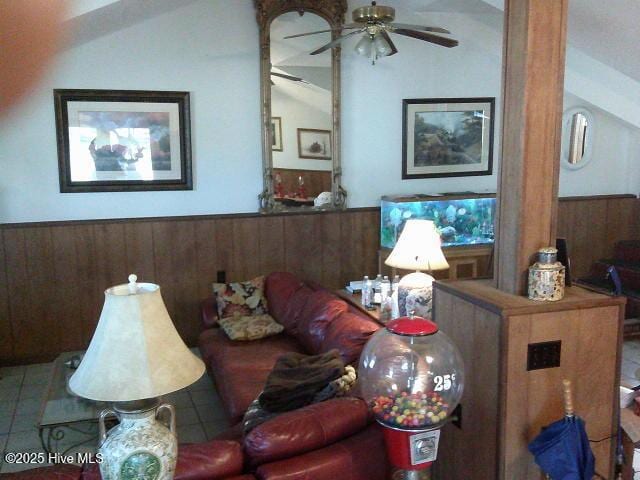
x: 395, y: 217
x: 450, y: 213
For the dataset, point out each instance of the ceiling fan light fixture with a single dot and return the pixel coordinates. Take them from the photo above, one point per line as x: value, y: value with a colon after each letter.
x: 375, y: 21
x: 365, y: 46
x: 381, y: 46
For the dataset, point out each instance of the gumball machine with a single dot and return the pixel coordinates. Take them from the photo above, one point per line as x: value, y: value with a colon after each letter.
x: 412, y: 377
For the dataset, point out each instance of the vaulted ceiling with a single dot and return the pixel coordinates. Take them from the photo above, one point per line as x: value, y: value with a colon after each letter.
x: 603, y: 66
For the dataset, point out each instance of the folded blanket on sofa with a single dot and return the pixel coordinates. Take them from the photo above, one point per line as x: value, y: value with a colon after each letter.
x: 256, y: 414
x: 297, y: 378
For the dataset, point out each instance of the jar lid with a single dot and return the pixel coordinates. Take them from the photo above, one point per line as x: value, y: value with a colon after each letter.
x: 548, y: 255
x: 413, y: 326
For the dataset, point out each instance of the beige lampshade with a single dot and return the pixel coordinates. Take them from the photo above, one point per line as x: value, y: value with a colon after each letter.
x: 418, y: 248
x: 135, y: 352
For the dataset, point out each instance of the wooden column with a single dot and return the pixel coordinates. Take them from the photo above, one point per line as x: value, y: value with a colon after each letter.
x: 533, y: 84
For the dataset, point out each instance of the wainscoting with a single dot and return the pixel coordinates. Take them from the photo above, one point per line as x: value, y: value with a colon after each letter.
x: 592, y: 226
x: 315, y: 181
x: 53, y: 275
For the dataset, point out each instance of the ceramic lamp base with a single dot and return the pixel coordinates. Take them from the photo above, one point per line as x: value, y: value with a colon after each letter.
x: 139, y: 447
x: 415, y: 292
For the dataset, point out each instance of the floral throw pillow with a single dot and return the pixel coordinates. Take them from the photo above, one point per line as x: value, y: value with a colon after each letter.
x: 242, y: 298
x: 243, y: 328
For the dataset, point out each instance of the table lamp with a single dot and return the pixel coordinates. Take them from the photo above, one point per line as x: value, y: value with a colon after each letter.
x: 418, y: 248
x: 135, y: 356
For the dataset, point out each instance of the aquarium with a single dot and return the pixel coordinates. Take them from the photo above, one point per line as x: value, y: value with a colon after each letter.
x: 460, y: 221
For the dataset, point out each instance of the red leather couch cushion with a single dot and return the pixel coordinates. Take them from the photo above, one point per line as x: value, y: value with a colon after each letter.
x: 196, y: 461
x: 306, y: 429
x: 209, y: 460
x: 278, y: 289
x: 240, y: 369
x: 319, y: 311
x: 348, y: 333
x: 58, y: 472
x: 359, y: 457
x: 294, y: 308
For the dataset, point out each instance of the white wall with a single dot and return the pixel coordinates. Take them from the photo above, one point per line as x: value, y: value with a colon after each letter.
x: 372, y: 114
x: 211, y: 50
x: 205, y: 48
x: 615, y: 157
x: 294, y: 115
x: 634, y: 164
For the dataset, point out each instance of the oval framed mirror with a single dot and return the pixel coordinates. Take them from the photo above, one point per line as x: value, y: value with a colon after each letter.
x: 300, y: 95
x: 577, y: 138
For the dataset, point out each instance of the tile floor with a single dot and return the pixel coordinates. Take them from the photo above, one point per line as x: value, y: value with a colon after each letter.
x: 199, y: 413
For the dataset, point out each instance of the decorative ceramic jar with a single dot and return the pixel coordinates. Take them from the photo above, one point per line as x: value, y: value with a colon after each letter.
x: 139, y: 447
x: 546, y: 277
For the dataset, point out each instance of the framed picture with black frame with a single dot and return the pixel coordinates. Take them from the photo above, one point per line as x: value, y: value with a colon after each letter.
x: 447, y: 137
x: 123, y: 140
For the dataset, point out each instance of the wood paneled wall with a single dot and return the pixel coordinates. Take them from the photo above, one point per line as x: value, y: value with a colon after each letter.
x: 53, y: 275
x: 315, y: 181
x: 592, y: 226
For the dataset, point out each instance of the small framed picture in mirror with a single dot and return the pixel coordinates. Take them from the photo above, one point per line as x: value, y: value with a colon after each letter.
x: 315, y: 144
x: 276, y: 134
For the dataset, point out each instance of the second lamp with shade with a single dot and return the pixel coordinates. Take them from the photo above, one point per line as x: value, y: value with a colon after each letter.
x: 418, y: 248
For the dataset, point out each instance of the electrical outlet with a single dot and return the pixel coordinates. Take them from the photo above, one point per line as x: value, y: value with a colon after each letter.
x: 544, y: 355
x: 221, y: 276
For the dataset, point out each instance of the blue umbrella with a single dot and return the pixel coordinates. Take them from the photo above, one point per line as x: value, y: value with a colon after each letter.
x: 562, y: 449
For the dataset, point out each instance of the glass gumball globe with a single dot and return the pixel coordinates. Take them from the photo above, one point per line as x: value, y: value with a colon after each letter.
x: 411, y: 375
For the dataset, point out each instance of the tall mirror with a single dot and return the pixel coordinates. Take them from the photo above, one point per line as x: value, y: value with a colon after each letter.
x: 300, y: 105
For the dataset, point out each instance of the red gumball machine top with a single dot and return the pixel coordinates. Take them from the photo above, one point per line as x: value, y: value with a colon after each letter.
x: 412, y: 375
x: 416, y: 326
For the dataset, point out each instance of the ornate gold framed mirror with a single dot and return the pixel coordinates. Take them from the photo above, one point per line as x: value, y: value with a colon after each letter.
x: 300, y: 96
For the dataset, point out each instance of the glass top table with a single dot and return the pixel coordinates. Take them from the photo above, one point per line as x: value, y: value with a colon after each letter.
x: 66, y: 421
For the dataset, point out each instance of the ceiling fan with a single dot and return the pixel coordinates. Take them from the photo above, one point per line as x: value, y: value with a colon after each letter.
x: 293, y: 78
x: 375, y: 22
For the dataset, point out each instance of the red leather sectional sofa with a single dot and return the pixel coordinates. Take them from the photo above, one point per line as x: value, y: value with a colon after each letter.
x: 331, y: 440
x: 328, y: 440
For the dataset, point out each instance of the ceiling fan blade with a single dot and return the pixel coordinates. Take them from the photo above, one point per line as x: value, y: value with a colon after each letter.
x: 427, y: 37
x: 334, y: 43
x: 386, y: 36
x: 418, y: 27
x: 289, y: 77
x: 346, y: 27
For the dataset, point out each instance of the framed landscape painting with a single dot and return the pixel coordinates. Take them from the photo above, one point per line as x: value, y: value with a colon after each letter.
x: 447, y: 137
x: 314, y: 143
x: 126, y: 140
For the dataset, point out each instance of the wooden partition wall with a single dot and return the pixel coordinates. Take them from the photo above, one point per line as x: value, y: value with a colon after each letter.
x: 53, y: 275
